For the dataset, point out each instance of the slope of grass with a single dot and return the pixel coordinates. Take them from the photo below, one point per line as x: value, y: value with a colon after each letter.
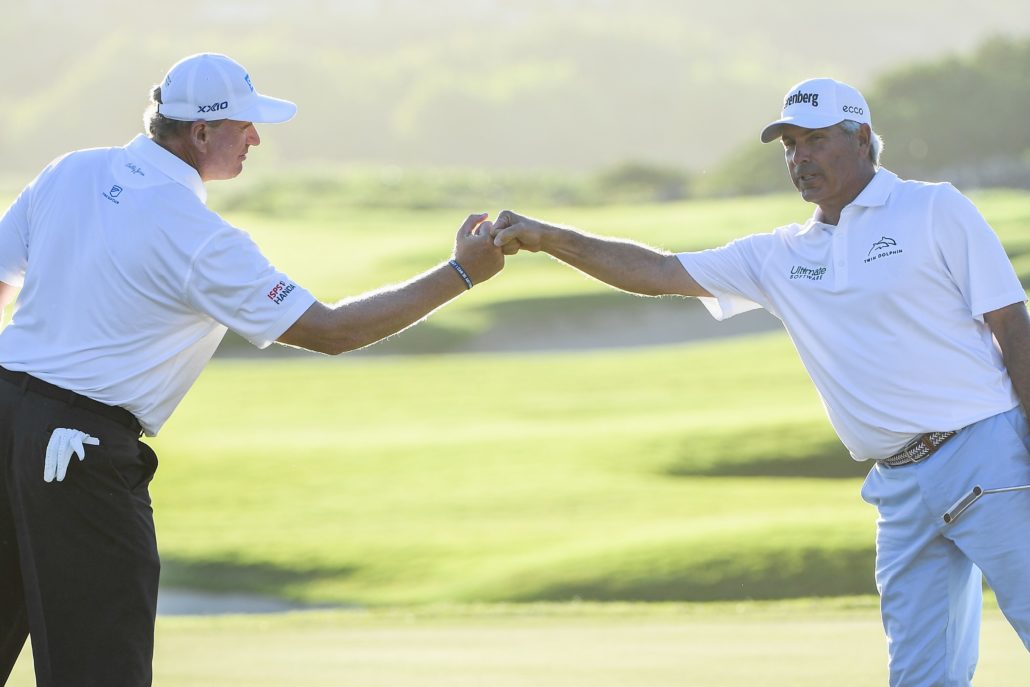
x: 626, y: 475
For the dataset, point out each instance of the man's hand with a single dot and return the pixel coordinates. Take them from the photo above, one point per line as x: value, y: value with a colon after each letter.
x: 512, y: 233
x: 64, y: 442
x: 474, y: 250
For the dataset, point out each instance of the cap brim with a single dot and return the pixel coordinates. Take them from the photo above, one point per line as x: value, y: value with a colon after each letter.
x: 266, y: 110
x: 772, y: 131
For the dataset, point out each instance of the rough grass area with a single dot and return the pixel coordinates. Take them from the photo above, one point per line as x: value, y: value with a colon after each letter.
x: 809, y: 643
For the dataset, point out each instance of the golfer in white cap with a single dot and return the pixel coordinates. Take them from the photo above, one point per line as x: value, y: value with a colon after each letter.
x: 908, y: 316
x: 128, y: 283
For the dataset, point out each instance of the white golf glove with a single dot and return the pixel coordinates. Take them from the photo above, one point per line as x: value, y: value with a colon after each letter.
x: 64, y: 442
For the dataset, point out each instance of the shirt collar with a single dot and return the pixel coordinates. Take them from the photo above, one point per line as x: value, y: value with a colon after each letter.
x: 172, y: 166
x: 878, y: 190
x: 875, y: 194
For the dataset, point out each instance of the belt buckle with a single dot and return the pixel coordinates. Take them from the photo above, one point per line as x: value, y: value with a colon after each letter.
x: 922, y: 441
x: 908, y: 453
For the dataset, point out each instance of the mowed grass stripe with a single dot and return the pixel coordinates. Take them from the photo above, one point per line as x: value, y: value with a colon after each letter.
x: 514, y: 477
x: 801, y: 644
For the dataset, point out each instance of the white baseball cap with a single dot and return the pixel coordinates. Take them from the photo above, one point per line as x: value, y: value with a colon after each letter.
x: 818, y: 103
x: 210, y: 86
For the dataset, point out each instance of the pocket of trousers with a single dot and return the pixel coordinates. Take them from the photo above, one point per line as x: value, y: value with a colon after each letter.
x: 133, y: 472
x: 868, y: 491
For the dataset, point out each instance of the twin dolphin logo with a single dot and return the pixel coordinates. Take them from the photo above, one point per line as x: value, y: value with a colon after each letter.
x: 884, y: 248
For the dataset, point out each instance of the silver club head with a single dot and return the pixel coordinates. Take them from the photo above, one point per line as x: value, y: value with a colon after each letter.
x: 960, y: 506
x: 963, y: 504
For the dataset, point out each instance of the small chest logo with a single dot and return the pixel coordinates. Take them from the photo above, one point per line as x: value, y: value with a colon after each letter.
x: 810, y: 273
x: 884, y: 248
x: 111, y: 195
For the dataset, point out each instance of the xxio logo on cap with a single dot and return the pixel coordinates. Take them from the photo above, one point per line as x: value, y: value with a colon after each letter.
x: 213, y: 107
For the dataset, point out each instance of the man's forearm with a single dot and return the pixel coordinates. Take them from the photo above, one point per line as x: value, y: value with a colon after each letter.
x: 1017, y: 363
x: 624, y: 264
x: 1011, y: 327
x: 357, y: 322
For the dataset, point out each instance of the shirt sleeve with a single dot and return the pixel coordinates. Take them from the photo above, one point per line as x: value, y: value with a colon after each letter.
x: 232, y: 282
x: 14, y: 240
x: 973, y: 254
x: 731, y: 274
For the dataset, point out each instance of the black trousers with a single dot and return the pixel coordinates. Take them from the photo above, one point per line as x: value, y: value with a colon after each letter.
x: 78, y: 558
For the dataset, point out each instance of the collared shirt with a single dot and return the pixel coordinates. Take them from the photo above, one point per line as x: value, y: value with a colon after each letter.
x: 129, y: 281
x: 885, y: 309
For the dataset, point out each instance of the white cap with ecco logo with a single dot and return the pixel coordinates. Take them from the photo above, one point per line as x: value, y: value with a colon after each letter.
x: 819, y: 103
x: 210, y: 86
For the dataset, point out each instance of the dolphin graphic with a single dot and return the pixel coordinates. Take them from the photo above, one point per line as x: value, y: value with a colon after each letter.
x: 883, y: 243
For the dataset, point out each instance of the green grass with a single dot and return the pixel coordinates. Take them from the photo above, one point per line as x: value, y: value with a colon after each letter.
x: 801, y: 644
x: 679, y: 473
x: 340, y: 253
x: 701, y: 472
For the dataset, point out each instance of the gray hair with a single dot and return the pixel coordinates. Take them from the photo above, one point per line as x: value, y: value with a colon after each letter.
x: 851, y: 127
x: 161, y: 128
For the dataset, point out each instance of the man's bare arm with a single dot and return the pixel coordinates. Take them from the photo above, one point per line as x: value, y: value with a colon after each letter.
x: 1011, y: 327
x: 357, y: 322
x: 626, y: 265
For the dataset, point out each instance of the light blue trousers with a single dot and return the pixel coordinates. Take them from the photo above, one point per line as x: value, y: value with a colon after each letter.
x: 929, y: 573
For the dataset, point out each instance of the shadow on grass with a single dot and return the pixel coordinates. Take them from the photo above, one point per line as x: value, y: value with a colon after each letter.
x: 226, y: 575
x: 606, y: 319
x: 802, y: 450
x: 786, y: 574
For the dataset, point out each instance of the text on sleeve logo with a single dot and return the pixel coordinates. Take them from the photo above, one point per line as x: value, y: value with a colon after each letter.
x: 883, y: 248
x: 280, y: 291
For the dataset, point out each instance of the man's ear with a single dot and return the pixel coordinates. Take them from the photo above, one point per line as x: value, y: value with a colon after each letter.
x: 198, y: 134
x: 865, y: 135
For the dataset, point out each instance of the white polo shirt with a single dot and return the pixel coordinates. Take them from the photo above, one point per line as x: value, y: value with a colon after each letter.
x: 885, y: 309
x: 129, y: 281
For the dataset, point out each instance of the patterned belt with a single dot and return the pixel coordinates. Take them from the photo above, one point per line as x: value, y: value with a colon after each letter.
x: 921, y: 448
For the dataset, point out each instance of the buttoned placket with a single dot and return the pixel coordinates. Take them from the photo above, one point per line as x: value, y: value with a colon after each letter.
x: 839, y: 252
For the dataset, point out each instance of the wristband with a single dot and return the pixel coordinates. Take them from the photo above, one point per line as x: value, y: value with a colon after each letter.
x: 461, y: 273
